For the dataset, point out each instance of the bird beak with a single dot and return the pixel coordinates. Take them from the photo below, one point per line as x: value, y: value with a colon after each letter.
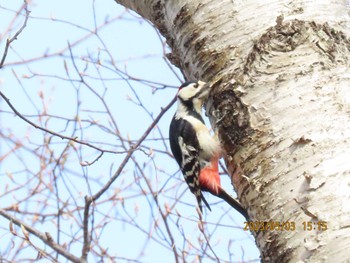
x: 204, y: 90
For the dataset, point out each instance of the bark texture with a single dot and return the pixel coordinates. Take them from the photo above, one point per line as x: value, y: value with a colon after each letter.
x: 281, y: 103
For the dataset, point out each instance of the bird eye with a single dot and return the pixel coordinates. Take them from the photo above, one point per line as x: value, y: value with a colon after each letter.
x: 195, y: 85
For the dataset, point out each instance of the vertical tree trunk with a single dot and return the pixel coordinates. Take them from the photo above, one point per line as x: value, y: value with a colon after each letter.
x: 281, y: 102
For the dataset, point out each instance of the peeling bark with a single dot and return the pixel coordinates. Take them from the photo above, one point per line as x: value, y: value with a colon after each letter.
x: 281, y: 103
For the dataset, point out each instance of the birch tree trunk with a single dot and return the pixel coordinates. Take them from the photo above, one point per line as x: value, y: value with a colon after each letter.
x: 279, y: 71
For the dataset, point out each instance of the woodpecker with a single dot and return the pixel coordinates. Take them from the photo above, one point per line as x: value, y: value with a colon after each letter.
x: 196, y: 151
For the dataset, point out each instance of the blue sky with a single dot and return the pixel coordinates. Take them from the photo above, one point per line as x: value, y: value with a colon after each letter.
x: 110, y: 99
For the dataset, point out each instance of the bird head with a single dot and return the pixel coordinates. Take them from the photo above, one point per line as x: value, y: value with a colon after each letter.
x: 192, y: 94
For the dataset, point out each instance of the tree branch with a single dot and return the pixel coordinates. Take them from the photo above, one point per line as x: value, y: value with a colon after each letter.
x: 7, y: 100
x: 46, y: 238
x: 10, y: 40
x: 91, y: 199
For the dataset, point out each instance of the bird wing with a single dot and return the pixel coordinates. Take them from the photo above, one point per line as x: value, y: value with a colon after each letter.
x: 186, y: 149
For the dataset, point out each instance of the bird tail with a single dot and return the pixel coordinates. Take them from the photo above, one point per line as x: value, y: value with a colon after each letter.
x: 234, y: 203
x: 201, y: 198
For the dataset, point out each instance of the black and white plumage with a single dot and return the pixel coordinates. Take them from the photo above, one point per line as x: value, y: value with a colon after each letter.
x: 191, y: 143
x: 196, y: 151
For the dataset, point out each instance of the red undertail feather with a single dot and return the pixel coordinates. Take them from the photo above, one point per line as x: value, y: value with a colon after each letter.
x: 209, y: 178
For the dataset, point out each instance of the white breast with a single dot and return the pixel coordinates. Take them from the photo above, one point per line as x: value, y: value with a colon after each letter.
x: 209, y: 145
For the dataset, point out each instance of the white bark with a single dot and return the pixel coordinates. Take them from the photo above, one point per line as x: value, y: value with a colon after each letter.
x: 280, y: 71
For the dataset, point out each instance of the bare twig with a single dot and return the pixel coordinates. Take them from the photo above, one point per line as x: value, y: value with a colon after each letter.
x: 87, y: 240
x: 163, y: 215
x: 7, y: 100
x: 46, y: 238
x: 91, y: 199
x: 10, y: 40
x: 132, y: 149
